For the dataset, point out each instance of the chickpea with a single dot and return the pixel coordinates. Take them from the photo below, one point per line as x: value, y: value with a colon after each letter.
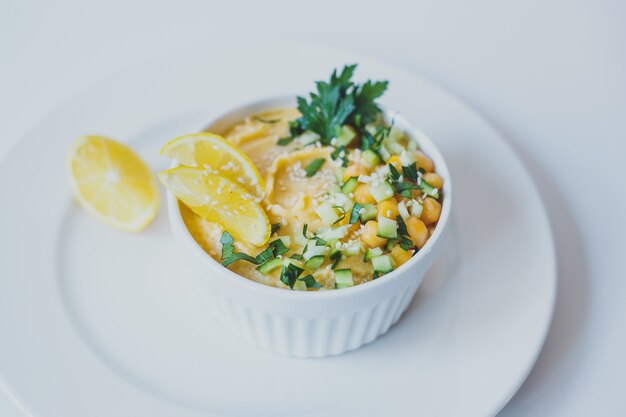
x: 362, y: 195
x: 400, y: 255
x: 424, y: 162
x: 354, y: 170
x: 417, y: 231
x: 433, y: 179
x: 388, y: 209
x: 395, y: 161
x: 369, y: 235
x: 431, y: 210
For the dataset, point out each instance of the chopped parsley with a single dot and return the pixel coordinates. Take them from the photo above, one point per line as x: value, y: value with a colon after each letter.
x: 285, y: 141
x: 342, y: 211
x: 290, y: 273
x: 310, y: 281
x: 340, y: 153
x: 410, y: 172
x: 314, y: 166
x: 273, y: 250
x: 336, y: 258
x: 228, y: 251
x: 355, y: 213
x: 318, y: 240
x: 404, y: 240
x: 375, y: 141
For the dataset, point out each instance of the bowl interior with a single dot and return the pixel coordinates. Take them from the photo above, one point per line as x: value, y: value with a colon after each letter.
x: 227, y: 119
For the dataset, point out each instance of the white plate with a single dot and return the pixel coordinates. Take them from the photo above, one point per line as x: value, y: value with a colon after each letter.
x: 101, y: 323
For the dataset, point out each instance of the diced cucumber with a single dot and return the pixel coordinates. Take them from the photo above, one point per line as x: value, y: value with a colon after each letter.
x: 382, y: 263
x: 334, y: 188
x: 393, y: 147
x: 307, y: 138
x: 391, y: 243
x: 314, y: 262
x: 350, y: 185
x: 299, y: 285
x: 286, y: 240
x: 384, y: 153
x: 334, y: 233
x: 370, y: 158
x: 300, y: 240
x: 328, y: 214
x: 404, y: 212
x: 371, y: 253
x: 343, y: 278
x: 346, y: 136
x: 352, y: 249
x: 312, y: 250
x: 332, y: 243
x: 368, y: 212
x: 289, y: 261
x: 381, y: 191
x: 268, y: 266
x: 387, y: 228
x: 416, y: 208
x: 407, y: 158
x: 429, y: 189
x: 383, y: 171
x: 339, y: 173
x: 395, y: 135
x: 342, y: 200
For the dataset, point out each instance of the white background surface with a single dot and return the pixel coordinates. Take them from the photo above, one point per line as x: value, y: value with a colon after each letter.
x: 550, y: 75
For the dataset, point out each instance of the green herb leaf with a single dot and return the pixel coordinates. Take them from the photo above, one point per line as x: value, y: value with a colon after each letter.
x: 405, y: 241
x: 342, y: 211
x: 394, y: 175
x: 239, y: 256
x: 275, y: 227
x: 310, y: 281
x: 314, y: 166
x: 354, y: 214
x: 228, y: 246
x: 336, y: 258
x: 410, y: 172
x: 304, y: 230
x: 337, y: 154
x: 289, y: 274
x: 228, y: 251
x: 365, y: 102
x: 336, y: 102
x: 285, y: 141
x: 274, y: 249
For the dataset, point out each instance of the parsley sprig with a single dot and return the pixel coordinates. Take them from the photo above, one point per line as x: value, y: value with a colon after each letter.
x: 337, y: 102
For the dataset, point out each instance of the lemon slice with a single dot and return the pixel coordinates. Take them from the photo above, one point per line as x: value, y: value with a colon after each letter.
x: 209, y: 151
x: 219, y: 200
x: 111, y: 182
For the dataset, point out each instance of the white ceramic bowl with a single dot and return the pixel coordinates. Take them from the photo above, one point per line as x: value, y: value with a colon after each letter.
x: 301, y: 323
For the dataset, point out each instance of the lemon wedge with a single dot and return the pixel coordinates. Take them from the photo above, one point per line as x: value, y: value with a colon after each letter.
x: 111, y: 182
x: 219, y: 200
x: 216, y: 154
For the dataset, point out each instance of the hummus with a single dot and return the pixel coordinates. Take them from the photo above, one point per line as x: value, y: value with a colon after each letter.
x: 291, y: 199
